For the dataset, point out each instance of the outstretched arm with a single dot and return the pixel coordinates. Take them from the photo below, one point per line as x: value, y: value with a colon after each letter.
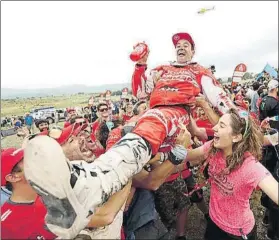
x: 105, y: 215
x: 216, y: 95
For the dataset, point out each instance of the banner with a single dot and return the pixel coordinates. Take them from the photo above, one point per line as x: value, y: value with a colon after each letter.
x: 238, y: 73
x: 124, y: 92
x: 267, y: 69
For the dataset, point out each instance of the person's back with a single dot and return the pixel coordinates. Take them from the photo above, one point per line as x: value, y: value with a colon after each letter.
x: 254, y: 97
x: 28, y: 120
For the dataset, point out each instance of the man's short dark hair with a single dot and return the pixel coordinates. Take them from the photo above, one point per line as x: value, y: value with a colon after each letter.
x: 16, y: 169
x: 101, y: 105
x: 256, y: 86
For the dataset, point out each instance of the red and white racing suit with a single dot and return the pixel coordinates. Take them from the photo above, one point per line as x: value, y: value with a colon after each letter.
x: 170, y: 87
x: 176, y: 87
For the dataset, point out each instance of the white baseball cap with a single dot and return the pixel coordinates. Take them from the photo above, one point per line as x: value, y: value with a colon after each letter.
x: 272, y: 84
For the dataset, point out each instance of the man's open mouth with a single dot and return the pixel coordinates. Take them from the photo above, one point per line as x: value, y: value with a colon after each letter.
x: 181, y: 53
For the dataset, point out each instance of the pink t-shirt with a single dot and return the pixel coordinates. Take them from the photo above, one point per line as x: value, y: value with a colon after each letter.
x: 229, y: 206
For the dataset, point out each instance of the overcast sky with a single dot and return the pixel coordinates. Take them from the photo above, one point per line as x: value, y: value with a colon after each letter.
x: 48, y: 44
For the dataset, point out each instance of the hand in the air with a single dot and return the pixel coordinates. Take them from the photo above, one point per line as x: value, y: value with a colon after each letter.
x: 265, y: 124
x: 144, y: 59
x: 184, y: 137
x: 201, y: 101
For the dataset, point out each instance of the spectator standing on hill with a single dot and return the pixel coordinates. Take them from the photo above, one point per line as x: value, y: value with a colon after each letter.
x: 29, y: 121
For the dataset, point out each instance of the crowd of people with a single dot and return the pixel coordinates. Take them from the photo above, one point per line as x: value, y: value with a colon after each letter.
x: 128, y: 170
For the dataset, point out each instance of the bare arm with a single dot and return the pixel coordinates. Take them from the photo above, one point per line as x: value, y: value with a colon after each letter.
x: 213, y: 117
x: 270, y: 186
x: 106, y: 214
x: 196, y: 156
x: 155, y: 178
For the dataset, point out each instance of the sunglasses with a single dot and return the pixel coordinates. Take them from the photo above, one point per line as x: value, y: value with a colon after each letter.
x: 103, y: 110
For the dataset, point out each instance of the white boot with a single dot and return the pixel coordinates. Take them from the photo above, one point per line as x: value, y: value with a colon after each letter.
x: 73, y: 190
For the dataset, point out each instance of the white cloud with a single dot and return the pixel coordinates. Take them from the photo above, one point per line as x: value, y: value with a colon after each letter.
x: 46, y: 44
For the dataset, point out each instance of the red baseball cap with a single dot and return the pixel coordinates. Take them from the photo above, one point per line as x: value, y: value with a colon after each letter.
x: 72, y: 130
x: 9, y: 158
x: 186, y: 36
x: 70, y: 110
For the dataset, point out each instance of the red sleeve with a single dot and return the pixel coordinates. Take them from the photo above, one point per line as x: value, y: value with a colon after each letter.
x: 114, y: 137
x: 207, y: 125
x: 138, y: 80
x: 256, y: 172
x: 95, y: 126
x: 67, y: 124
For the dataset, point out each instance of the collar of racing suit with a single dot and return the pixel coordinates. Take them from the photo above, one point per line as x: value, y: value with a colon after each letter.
x: 176, y: 64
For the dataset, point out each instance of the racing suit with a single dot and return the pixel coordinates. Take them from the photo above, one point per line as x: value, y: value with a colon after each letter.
x: 171, y: 88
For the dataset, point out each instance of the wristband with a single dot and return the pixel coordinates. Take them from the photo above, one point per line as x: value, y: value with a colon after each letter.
x: 177, y: 155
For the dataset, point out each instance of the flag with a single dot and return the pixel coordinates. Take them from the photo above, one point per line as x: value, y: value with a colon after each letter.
x: 271, y: 71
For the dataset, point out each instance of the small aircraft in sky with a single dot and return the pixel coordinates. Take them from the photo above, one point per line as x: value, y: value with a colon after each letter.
x: 204, y: 10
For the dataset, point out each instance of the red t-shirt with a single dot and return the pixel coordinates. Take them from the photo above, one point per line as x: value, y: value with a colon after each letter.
x: 24, y: 221
x: 229, y: 206
x: 113, y: 137
x: 207, y: 125
x: 126, y: 118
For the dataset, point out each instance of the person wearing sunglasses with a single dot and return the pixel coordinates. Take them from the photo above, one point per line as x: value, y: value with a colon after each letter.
x: 103, y: 116
x: 234, y: 173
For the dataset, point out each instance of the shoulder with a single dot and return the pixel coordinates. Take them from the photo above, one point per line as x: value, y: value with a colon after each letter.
x: 253, y: 169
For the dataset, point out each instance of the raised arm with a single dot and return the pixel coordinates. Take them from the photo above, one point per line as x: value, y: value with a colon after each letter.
x: 215, y: 94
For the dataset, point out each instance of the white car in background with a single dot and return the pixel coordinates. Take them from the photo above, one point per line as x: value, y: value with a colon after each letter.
x: 44, y: 113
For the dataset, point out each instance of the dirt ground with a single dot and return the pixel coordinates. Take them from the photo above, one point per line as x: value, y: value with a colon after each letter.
x: 196, y: 224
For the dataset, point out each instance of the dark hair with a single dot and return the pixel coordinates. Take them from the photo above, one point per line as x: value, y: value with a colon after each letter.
x: 73, y: 120
x: 38, y: 122
x: 100, y: 105
x: 256, y: 86
x: 15, y: 169
x: 251, y: 142
x: 135, y: 110
x: 104, y: 131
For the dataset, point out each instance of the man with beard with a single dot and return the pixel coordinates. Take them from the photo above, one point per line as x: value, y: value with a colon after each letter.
x: 71, y: 113
x: 42, y: 125
x: 103, y: 116
x: 174, y: 88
